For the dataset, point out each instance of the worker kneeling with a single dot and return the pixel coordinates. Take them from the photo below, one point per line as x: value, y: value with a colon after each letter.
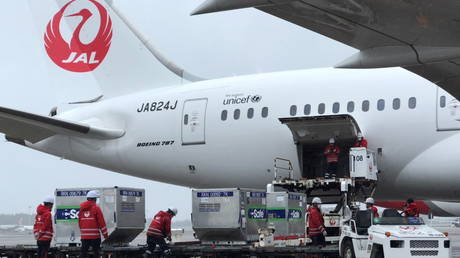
x: 316, y: 230
x: 159, y: 229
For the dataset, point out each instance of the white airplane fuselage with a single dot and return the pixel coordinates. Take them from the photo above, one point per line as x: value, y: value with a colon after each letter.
x: 419, y: 149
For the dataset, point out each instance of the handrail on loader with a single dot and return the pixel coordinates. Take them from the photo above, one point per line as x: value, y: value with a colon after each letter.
x: 285, y: 165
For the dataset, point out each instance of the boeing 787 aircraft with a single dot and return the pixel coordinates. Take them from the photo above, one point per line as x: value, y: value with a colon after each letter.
x: 156, y: 121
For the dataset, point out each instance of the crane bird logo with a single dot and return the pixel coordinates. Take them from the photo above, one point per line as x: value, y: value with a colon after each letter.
x: 76, y: 56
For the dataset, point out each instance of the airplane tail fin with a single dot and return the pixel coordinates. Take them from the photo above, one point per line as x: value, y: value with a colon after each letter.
x: 91, y: 49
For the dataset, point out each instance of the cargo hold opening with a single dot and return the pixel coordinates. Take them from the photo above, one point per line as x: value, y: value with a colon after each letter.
x: 312, y: 134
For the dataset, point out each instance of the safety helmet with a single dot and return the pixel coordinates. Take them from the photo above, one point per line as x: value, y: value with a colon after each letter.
x: 92, y: 194
x: 360, y: 135
x: 173, y: 210
x: 48, y: 199
x: 331, y: 140
x: 370, y: 200
x: 316, y: 200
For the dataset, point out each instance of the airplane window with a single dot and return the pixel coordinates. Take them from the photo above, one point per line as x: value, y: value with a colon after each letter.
x: 442, y: 102
x: 186, y: 120
x: 250, y: 113
x: 307, y: 109
x: 412, y: 102
x: 351, y: 106
x: 396, y: 103
x: 293, y: 110
x: 321, y: 108
x: 264, y: 112
x: 381, y: 104
x: 236, y: 114
x: 336, y: 107
x: 365, y: 105
x: 223, y: 115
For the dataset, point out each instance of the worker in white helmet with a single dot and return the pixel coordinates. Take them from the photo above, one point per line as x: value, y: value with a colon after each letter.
x: 92, y: 225
x: 370, y: 206
x: 331, y: 152
x: 360, y: 141
x: 316, y: 230
x: 159, y: 229
x: 43, y: 226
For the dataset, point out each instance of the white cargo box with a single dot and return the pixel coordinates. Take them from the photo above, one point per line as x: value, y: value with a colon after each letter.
x: 123, y: 209
x: 228, y: 215
x: 363, y: 163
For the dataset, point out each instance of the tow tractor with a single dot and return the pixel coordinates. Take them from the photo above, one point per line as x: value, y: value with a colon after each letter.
x: 391, y: 236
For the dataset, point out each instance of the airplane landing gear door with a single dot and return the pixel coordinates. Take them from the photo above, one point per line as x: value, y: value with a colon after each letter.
x: 193, y: 121
x: 447, y: 111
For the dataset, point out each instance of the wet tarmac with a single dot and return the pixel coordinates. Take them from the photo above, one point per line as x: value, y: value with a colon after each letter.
x: 23, y: 238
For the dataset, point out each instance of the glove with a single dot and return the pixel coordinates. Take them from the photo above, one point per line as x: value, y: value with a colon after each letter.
x: 106, y: 236
x: 324, y: 233
x: 169, y: 238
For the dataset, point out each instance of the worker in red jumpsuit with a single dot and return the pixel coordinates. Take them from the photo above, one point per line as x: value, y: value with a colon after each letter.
x: 92, y: 224
x: 361, y: 142
x: 370, y: 206
x: 316, y: 230
x: 43, y: 227
x: 331, y: 152
x: 410, y: 208
x: 159, y: 229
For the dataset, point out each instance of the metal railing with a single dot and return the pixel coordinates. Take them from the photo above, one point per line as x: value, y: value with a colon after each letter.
x: 285, y: 165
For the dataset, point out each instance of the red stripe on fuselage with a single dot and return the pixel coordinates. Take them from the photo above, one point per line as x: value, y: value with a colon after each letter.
x: 399, y: 205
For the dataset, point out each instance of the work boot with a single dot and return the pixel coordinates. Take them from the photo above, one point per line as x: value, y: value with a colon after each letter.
x: 167, y: 253
x: 147, y: 254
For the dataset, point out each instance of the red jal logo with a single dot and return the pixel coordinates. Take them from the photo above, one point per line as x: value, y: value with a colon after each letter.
x: 77, y: 56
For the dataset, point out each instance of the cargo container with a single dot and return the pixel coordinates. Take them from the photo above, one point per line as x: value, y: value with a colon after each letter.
x: 123, y: 209
x: 286, y: 213
x: 228, y: 215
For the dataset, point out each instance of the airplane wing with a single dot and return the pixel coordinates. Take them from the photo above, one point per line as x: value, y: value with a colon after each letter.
x: 19, y: 126
x: 421, y: 36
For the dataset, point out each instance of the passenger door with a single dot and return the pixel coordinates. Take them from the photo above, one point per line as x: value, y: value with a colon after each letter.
x: 193, y: 121
x: 447, y: 111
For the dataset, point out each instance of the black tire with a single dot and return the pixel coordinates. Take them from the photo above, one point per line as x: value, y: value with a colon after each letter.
x: 348, y: 250
x: 377, y: 251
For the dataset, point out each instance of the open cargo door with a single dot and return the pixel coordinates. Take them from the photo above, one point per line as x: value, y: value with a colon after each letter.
x: 314, y: 130
x: 311, y: 135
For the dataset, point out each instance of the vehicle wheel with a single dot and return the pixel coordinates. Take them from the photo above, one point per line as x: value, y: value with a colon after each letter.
x: 348, y: 251
x: 377, y: 251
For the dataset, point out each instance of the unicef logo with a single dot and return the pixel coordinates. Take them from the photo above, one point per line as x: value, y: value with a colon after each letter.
x: 256, y: 98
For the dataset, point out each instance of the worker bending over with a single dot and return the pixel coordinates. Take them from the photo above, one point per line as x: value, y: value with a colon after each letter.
x: 159, y: 229
x: 360, y: 142
x: 331, y: 152
x: 316, y: 230
x: 92, y: 224
x: 370, y: 206
x: 410, y: 208
x: 43, y: 227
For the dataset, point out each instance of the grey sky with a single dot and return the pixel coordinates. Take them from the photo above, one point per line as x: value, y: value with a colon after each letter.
x: 213, y: 45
